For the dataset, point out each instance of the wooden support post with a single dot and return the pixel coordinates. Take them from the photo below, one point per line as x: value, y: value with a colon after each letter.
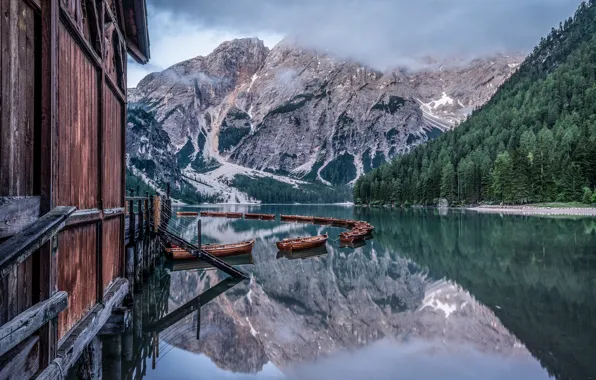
x: 85, y: 332
x: 199, y: 231
x: 112, y: 357
x: 156, y: 213
x: 130, y: 250
x: 138, y: 252
x: 141, y: 216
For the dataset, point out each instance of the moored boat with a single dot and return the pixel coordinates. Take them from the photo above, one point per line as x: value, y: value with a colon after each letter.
x: 364, y: 226
x: 297, y: 218
x: 206, y: 213
x: 338, y: 222
x: 352, y: 235
x: 187, y: 213
x: 233, y: 215
x: 322, y: 220
x: 302, y: 243
x: 218, y: 214
x: 259, y: 216
x: 218, y: 250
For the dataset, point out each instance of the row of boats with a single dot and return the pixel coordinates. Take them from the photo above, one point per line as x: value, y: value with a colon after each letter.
x: 231, y: 215
x: 359, y: 231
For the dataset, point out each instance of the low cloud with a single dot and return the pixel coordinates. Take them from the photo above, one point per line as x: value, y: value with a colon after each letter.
x: 381, y: 33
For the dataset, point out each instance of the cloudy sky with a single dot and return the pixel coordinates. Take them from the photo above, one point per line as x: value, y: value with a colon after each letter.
x: 381, y: 33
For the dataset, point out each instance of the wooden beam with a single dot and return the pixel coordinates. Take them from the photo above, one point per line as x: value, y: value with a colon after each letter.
x: 73, y: 346
x: 83, y: 216
x: 16, y: 249
x: 29, y: 321
x: 22, y: 363
x: 192, y: 305
x: 16, y: 213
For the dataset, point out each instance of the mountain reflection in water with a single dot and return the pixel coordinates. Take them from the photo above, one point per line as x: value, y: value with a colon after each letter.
x: 431, y: 296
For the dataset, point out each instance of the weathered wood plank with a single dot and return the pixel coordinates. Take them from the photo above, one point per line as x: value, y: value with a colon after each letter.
x: 22, y: 362
x: 83, y: 334
x: 109, y: 212
x: 16, y: 213
x: 29, y: 321
x: 83, y: 216
x: 16, y: 249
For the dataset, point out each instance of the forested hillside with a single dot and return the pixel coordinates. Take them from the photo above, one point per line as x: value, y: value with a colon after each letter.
x: 534, y: 141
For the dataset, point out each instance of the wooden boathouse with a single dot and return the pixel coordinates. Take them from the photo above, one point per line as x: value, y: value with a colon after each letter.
x: 62, y: 178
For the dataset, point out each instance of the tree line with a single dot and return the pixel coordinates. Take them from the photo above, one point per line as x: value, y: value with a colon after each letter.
x: 534, y: 141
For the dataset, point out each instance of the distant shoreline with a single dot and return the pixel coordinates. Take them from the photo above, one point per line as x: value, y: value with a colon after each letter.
x: 535, y: 210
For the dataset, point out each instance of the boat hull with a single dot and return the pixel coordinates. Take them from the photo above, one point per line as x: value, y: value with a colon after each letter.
x: 187, y: 214
x: 217, y: 250
x: 302, y: 243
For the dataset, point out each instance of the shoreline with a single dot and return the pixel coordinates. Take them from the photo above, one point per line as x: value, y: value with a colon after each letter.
x: 535, y: 210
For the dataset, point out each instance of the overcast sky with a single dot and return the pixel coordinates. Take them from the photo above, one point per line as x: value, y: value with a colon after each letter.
x: 381, y: 33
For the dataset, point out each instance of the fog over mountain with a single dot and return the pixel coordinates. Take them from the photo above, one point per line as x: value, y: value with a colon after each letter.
x: 382, y: 33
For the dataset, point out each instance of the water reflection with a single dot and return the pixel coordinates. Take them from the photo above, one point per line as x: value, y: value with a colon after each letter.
x: 446, y: 296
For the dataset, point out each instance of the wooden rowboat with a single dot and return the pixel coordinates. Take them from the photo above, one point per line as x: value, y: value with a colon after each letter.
x: 206, y: 213
x: 187, y: 213
x: 233, y: 215
x: 259, y: 216
x: 365, y: 226
x: 218, y: 214
x: 338, y: 222
x: 302, y: 243
x: 322, y: 220
x: 352, y: 235
x: 218, y: 250
x: 298, y: 218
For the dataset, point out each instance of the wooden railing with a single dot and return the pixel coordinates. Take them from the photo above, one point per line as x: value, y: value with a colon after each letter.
x: 19, y: 247
x: 15, y: 251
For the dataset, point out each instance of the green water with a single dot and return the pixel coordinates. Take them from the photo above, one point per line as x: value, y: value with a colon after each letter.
x: 457, y: 296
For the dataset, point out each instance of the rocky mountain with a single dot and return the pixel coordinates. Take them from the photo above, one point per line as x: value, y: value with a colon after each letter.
x: 297, y: 115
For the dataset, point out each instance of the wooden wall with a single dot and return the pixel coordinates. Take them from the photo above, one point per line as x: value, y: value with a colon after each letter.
x: 77, y: 273
x: 77, y: 148
x: 19, y: 45
x: 112, y: 137
x: 113, y: 254
x: 88, y: 154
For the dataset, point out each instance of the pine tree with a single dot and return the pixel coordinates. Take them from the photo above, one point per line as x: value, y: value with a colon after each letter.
x: 448, y: 182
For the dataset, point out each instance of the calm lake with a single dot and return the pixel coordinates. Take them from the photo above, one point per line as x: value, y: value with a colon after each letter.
x: 457, y: 295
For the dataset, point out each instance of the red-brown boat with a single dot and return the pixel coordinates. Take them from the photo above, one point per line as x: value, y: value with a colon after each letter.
x: 322, y: 220
x: 301, y: 243
x: 218, y: 214
x: 206, y: 213
x: 259, y: 216
x: 218, y: 250
x: 352, y: 235
x: 338, y: 222
x: 297, y: 218
x: 233, y: 215
x: 365, y: 226
x: 187, y: 213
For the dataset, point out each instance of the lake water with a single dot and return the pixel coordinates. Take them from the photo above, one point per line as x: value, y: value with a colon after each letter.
x: 457, y: 295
